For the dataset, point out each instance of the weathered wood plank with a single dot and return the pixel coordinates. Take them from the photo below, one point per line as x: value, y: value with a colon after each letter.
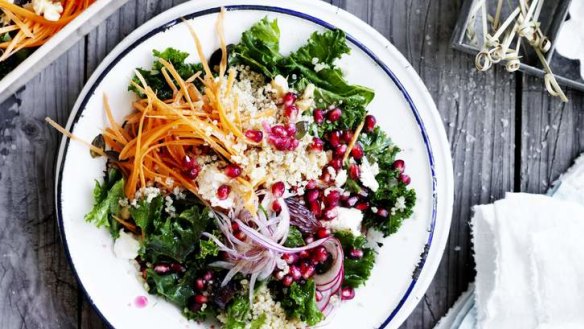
x: 551, y: 135
x: 38, y: 289
x: 478, y: 113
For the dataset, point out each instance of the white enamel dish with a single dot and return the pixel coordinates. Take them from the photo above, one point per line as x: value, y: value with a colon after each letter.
x: 407, y: 261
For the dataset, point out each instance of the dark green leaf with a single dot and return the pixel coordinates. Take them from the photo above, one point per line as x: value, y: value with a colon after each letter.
x: 106, y: 199
x: 260, y: 48
x: 300, y: 303
x: 145, y: 214
x: 154, y: 77
x: 177, y: 237
x: 294, y: 239
x: 357, y: 271
x: 237, y: 312
x: 379, y: 149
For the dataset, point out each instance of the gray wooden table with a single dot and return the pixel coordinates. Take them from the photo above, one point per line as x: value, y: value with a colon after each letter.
x: 506, y: 135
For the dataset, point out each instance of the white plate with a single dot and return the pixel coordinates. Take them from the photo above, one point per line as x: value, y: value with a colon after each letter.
x: 408, y: 259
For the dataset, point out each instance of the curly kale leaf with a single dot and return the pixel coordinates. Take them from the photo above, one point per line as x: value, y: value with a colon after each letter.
x: 176, y: 237
x: 106, y: 198
x: 154, y: 77
x: 357, y: 271
x: 392, y: 194
x: 300, y: 303
x: 260, y: 48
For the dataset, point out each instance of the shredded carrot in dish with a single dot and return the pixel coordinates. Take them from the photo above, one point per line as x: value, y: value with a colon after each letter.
x: 154, y: 139
x: 28, y: 29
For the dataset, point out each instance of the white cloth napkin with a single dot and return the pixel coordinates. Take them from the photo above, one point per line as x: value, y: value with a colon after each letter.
x: 530, y: 262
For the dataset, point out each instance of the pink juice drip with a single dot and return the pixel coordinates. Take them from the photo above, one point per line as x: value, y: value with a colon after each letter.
x: 141, y: 301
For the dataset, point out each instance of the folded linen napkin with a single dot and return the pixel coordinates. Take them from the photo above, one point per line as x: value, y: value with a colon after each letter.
x: 525, y: 251
x: 543, y: 284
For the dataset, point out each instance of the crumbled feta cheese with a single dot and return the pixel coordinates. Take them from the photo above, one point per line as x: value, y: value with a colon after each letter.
x: 126, y: 246
x: 320, y: 66
x: 50, y: 10
x: 280, y: 84
x: 400, y: 203
x: 209, y: 180
x: 367, y: 175
x: 347, y: 219
x: 341, y: 178
x: 169, y: 207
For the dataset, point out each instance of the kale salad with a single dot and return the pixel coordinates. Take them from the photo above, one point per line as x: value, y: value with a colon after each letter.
x: 243, y: 185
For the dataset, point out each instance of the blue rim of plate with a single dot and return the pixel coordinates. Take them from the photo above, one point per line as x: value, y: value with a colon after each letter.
x: 281, y: 10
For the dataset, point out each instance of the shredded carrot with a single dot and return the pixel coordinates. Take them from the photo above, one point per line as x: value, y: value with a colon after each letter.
x: 154, y: 140
x: 353, y: 141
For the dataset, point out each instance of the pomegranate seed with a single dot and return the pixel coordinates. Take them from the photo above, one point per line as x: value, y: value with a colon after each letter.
x: 295, y: 272
x: 320, y: 254
x: 347, y: 293
x: 193, y: 172
x: 303, y: 254
x: 317, y: 144
x: 334, y: 114
x: 340, y: 150
x: 336, y: 163
x: 318, y: 116
x: 177, y: 268
x: 382, y: 212
x: 362, y: 205
x: 348, y: 136
x: 291, y: 112
x: 281, y: 144
x: 322, y: 232
x: 195, y: 307
x: 330, y: 214
x: 312, y: 195
x: 289, y: 99
x: 351, y: 201
x: 234, y: 227
x: 357, y: 152
x: 290, y: 258
x: 254, y: 135
x: 280, y: 131
x: 332, y: 199
x: 189, y: 162
x: 223, y: 192
x: 399, y: 165
x: 354, y: 171
x: 311, y: 184
x: 201, y: 299
x: 278, y: 189
x: 162, y: 268
x: 233, y: 170
x: 315, y: 208
x: 307, y: 270
x: 287, y: 281
x: 240, y: 236
x: 200, y: 284
x: 208, y: 276
x: 293, y: 145
x: 405, y: 179
x: 334, y: 138
x: 276, y: 207
x: 356, y: 253
x: 291, y: 129
x: 318, y: 296
x: 370, y: 122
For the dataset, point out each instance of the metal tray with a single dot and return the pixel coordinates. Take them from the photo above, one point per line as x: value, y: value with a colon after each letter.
x: 553, y: 15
